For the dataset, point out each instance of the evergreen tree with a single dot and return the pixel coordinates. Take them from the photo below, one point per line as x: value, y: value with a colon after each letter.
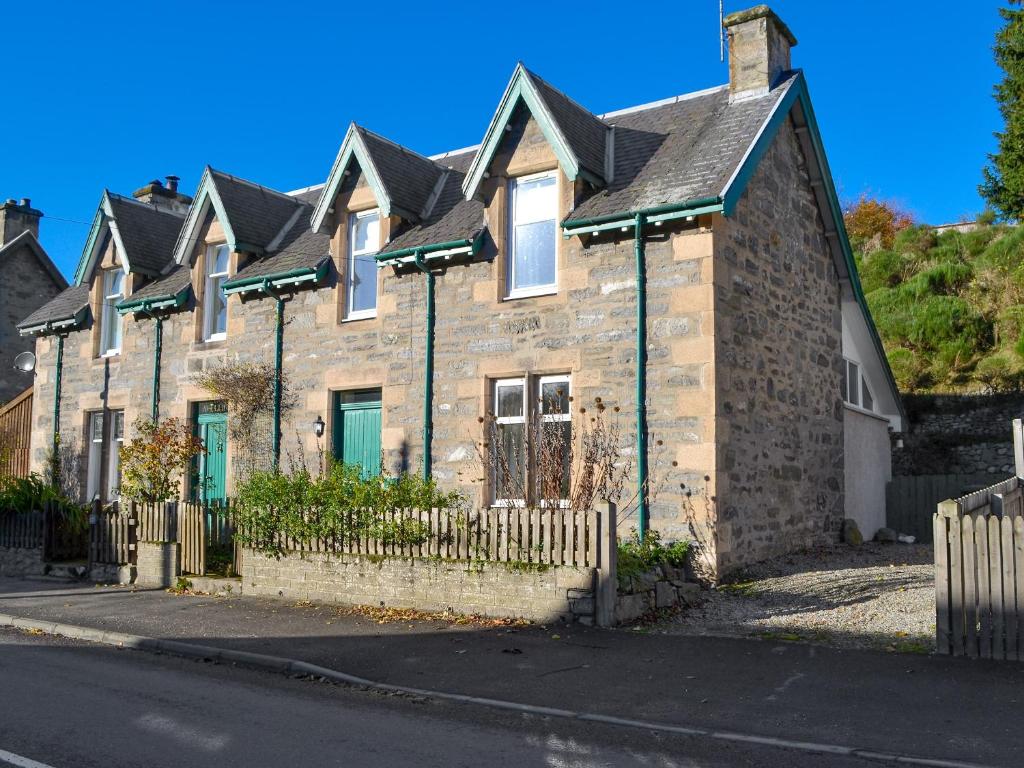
x: 1003, y: 187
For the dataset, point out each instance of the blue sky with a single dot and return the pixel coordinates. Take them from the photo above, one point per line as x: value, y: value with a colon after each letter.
x: 114, y: 94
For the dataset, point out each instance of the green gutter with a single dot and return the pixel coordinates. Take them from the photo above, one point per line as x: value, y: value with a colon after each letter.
x: 258, y: 281
x: 428, y: 368
x: 474, y: 244
x: 627, y: 217
x: 166, y: 301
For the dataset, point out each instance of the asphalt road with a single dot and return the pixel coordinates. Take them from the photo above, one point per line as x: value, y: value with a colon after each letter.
x: 66, y: 704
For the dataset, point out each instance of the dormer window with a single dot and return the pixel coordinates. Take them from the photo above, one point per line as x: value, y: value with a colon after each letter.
x: 533, y: 211
x: 215, y: 304
x: 361, y: 274
x: 110, y: 320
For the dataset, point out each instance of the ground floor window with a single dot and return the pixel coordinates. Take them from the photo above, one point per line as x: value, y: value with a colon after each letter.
x: 531, y: 444
x: 105, y: 430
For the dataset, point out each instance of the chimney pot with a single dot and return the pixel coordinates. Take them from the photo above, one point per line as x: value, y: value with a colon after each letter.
x: 25, y: 202
x: 172, y: 183
x: 11, y: 201
x: 759, y: 51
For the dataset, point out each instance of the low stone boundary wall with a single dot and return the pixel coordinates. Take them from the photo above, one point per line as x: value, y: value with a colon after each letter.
x: 662, y: 587
x: 22, y: 561
x: 157, y: 564
x: 513, y: 590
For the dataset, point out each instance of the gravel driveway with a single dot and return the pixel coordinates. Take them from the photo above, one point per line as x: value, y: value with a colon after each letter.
x: 872, y: 596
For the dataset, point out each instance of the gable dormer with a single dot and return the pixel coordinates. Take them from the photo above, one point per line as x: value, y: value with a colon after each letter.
x: 130, y: 243
x: 582, y: 144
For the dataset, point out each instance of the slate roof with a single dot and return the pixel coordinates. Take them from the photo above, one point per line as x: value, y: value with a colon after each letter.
x: 408, y: 178
x: 174, y: 282
x: 29, y: 240
x: 256, y: 214
x: 148, y: 234
x: 678, y: 152
x: 452, y: 218
x: 301, y: 248
x: 64, y: 306
x: 585, y: 133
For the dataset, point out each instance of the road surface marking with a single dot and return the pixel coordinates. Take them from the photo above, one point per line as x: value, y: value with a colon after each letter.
x: 21, y: 762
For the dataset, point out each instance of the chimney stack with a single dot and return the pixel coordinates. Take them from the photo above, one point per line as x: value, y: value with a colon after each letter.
x: 164, y: 198
x: 759, y: 45
x: 17, y: 217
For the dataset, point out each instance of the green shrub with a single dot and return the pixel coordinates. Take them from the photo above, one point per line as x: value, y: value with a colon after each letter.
x: 1000, y: 373
x: 636, y: 556
x: 32, y: 493
x: 882, y: 269
x: 338, y: 503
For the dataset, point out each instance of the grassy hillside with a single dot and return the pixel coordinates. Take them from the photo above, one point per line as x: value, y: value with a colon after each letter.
x: 950, y: 307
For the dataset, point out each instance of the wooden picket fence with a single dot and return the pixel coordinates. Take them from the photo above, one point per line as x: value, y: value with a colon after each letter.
x: 112, y: 533
x: 509, y: 534
x: 22, y: 530
x: 979, y: 573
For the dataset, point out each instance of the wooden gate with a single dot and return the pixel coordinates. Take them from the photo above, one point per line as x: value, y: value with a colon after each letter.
x: 112, y: 535
x: 910, y: 500
x: 206, y: 533
x: 979, y: 573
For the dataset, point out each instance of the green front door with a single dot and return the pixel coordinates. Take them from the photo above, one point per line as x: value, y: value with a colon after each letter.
x: 212, y: 429
x: 357, y: 430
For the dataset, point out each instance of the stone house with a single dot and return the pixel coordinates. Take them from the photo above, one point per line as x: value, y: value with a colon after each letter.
x: 28, y: 279
x: 684, y: 261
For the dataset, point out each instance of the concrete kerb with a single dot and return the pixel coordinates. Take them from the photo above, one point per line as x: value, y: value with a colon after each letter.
x: 282, y: 665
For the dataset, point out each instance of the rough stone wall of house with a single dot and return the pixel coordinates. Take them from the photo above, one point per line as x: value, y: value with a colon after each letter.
x: 24, y: 287
x: 778, y: 373
x: 587, y: 330
x: 958, y: 434
x: 489, y: 589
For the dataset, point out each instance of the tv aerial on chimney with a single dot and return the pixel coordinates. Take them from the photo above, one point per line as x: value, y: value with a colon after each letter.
x: 25, y: 362
x: 721, y: 30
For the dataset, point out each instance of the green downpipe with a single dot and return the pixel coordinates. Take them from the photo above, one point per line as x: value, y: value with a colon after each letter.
x: 157, y: 353
x: 278, y: 352
x: 641, y: 374
x: 56, y: 395
x: 428, y: 375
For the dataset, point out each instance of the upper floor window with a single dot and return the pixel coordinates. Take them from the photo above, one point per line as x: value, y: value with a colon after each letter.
x: 361, y: 274
x: 855, y: 387
x: 215, y: 303
x: 533, y: 211
x: 110, y: 320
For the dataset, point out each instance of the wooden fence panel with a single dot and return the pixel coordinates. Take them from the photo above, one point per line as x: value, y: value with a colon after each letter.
x: 192, y: 537
x: 910, y: 500
x: 21, y: 530
x: 111, y: 539
x: 15, y: 435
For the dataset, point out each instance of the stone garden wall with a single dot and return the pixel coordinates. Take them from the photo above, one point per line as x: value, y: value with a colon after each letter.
x: 515, y: 590
x: 958, y: 434
x: 21, y: 561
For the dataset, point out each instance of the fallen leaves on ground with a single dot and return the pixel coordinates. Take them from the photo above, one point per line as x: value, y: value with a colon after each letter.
x: 385, y: 615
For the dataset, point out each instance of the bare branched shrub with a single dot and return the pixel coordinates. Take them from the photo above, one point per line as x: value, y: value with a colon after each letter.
x: 248, y: 389
x: 551, y: 463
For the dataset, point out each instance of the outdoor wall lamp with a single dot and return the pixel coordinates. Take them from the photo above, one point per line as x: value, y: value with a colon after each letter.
x: 319, y: 426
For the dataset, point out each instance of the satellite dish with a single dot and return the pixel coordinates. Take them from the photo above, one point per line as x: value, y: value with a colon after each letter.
x: 25, y: 362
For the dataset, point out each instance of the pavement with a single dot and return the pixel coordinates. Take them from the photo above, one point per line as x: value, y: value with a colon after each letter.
x: 69, y: 704
x: 927, y: 706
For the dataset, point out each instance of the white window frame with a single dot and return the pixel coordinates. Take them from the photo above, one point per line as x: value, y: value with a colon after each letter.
x: 511, y: 291
x: 856, y: 386
x: 94, y: 469
x: 550, y: 418
x: 350, y: 263
x: 114, y: 441
x: 110, y: 319
x: 521, y: 419
x: 209, y: 317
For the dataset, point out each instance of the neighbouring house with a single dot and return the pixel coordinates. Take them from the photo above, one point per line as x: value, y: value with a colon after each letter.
x: 28, y: 279
x: 685, y: 261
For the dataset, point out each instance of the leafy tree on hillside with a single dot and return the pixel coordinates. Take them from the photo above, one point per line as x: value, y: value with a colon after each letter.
x: 874, y: 224
x: 1003, y: 187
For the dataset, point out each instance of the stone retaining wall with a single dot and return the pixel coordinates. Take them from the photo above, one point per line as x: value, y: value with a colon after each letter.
x: 662, y: 587
x: 21, y: 561
x: 958, y: 434
x: 536, y: 592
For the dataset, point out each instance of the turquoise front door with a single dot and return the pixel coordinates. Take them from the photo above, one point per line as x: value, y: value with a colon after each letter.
x: 212, y: 429
x: 357, y: 430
